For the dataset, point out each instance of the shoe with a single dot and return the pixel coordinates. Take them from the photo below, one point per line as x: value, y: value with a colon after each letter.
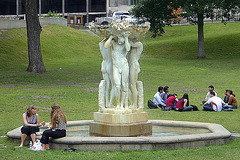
x: 70, y: 150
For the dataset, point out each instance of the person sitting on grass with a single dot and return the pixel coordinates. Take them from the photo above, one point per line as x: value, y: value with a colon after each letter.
x: 216, y: 103
x: 232, y: 101
x: 157, y: 100
x: 57, y: 128
x: 31, y: 124
x: 171, y: 101
x: 226, y: 97
x: 183, y: 104
x: 164, y: 95
x: 211, y: 89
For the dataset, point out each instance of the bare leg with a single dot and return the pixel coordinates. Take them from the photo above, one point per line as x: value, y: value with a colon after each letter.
x: 124, y: 95
x: 43, y: 147
x: 117, y: 84
x: 33, y: 137
x: 117, y: 93
x: 23, y: 137
x: 47, y: 147
x: 112, y: 95
x: 134, y: 90
x: 125, y: 75
x: 130, y: 97
x: 106, y: 78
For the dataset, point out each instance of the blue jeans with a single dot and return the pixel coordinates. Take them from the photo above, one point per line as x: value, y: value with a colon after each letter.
x: 207, y: 108
x: 229, y: 106
x: 189, y: 108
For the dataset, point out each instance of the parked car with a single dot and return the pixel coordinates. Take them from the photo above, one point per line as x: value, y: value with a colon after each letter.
x: 118, y: 15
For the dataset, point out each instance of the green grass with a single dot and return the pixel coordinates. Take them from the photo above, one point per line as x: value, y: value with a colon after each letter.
x: 166, y: 60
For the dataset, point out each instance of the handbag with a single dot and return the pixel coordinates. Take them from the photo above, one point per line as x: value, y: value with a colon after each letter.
x: 37, y: 145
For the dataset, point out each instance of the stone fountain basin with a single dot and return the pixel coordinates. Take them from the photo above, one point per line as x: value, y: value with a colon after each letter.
x: 218, y: 135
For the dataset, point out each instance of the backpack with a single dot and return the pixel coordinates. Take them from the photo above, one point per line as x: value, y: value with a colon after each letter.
x: 195, y: 108
x: 151, y: 105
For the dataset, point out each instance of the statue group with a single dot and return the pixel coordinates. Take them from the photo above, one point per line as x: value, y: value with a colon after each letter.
x: 121, y: 50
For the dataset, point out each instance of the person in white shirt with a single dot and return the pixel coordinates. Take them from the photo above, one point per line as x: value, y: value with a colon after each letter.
x: 216, y: 103
x: 211, y: 89
x: 157, y: 100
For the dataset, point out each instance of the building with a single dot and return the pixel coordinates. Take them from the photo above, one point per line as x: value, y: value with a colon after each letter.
x: 86, y: 9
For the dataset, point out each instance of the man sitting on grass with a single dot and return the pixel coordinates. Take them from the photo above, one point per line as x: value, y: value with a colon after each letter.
x: 216, y: 103
x: 158, y: 101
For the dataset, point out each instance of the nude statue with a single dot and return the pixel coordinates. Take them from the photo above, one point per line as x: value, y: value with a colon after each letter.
x: 107, y: 72
x: 120, y: 48
x: 134, y: 68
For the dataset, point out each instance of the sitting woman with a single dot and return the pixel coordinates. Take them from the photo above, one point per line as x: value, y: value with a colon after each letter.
x: 171, y: 101
x: 183, y: 104
x: 232, y: 101
x: 31, y: 124
x: 58, y: 126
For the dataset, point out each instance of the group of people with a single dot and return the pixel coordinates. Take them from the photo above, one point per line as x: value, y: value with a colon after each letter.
x: 31, y: 124
x: 214, y: 103
x: 165, y: 101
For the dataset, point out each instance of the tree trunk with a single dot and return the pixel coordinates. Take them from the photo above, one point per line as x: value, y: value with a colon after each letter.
x: 33, y: 36
x: 201, y: 51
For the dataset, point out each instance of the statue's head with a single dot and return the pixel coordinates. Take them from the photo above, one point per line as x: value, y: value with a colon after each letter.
x: 120, y: 39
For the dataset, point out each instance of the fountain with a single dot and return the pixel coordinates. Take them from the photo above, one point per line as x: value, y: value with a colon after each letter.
x: 121, y: 50
x: 121, y: 123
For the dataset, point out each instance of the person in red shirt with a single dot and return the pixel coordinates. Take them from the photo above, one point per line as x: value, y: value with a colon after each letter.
x: 171, y: 101
x: 183, y: 104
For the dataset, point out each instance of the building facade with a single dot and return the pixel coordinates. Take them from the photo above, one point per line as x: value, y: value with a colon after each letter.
x: 87, y: 9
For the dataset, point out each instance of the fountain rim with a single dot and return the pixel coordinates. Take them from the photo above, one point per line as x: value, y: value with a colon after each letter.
x: 217, y: 132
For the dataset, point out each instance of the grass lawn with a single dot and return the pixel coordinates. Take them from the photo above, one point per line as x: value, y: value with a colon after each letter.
x: 73, y: 60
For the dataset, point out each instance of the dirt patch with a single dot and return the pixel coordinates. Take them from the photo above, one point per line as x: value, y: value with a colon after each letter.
x: 10, y: 85
x: 44, y: 109
x: 37, y: 98
x: 2, y: 31
x: 91, y: 89
x: 190, y: 90
x: 67, y: 84
x: 42, y: 97
x: 28, y: 89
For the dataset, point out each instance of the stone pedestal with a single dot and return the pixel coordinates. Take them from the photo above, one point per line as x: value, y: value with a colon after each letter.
x: 120, y: 125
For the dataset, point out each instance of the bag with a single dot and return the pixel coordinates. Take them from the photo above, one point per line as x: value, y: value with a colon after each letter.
x: 151, y: 105
x: 195, y: 108
x: 37, y: 145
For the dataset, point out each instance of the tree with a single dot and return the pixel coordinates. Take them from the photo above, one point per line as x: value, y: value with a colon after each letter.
x: 194, y: 10
x: 158, y: 12
x: 33, y: 37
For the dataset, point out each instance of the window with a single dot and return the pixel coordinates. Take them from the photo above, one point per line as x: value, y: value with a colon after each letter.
x: 97, y: 5
x: 51, y: 5
x: 74, y: 6
x: 133, y: 2
x: 7, y: 7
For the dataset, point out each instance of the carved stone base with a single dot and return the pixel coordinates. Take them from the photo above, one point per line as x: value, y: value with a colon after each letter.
x: 120, y: 125
x: 120, y: 130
